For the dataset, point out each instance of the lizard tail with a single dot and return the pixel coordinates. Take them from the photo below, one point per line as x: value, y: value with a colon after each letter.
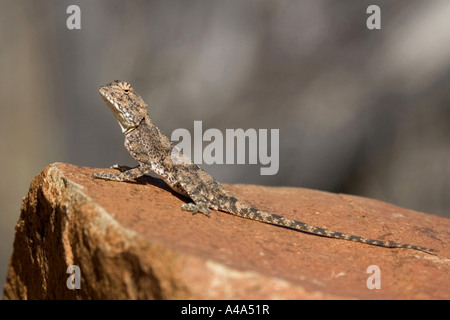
x: 242, y: 210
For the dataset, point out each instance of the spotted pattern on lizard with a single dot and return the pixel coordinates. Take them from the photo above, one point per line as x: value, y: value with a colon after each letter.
x: 153, y: 151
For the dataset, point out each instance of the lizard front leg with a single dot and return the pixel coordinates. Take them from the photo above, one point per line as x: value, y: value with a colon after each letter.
x: 124, y: 175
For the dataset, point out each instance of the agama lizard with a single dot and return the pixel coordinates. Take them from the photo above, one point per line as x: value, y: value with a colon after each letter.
x: 154, y: 153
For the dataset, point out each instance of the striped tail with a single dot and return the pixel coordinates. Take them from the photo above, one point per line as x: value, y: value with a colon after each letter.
x: 243, y: 210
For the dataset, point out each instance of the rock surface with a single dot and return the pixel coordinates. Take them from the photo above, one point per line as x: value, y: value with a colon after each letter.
x: 132, y: 241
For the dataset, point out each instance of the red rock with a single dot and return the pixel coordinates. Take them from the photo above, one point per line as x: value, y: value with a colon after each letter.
x: 132, y: 241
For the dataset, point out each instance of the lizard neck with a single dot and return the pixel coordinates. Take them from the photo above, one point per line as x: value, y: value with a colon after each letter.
x: 146, y: 129
x: 147, y: 121
x: 131, y: 129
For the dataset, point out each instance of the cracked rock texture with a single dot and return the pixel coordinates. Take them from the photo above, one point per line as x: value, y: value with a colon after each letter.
x: 132, y: 241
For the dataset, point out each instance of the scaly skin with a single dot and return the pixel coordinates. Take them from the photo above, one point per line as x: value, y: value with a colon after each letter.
x: 153, y: 151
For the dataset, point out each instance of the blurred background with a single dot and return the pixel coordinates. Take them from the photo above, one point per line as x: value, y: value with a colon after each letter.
x: 365, y: 112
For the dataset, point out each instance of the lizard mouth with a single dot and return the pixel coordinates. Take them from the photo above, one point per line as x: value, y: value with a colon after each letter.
x: 110, y: 101
x: 117, y: 111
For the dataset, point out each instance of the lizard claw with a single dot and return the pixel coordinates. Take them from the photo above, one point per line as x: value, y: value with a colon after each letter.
x: 195, y: 208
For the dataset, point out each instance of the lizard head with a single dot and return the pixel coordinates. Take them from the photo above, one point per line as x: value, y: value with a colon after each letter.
x: 128, y: 107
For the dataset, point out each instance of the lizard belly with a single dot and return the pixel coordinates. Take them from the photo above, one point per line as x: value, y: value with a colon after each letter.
x: 178, y: 188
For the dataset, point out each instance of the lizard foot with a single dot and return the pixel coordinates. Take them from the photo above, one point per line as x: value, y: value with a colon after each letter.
x: 194, y: 208
x: 106, y: 176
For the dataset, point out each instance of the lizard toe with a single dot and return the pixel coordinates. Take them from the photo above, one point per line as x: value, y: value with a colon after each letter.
x: 195, y: 208
x: 98, y: 175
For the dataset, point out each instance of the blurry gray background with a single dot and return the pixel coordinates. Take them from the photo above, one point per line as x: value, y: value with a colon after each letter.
x: 359, y: 111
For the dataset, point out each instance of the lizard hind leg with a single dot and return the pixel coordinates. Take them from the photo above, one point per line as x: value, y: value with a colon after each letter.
x: 194, y: 207
x: 201, y: 207
x: 200, y: 202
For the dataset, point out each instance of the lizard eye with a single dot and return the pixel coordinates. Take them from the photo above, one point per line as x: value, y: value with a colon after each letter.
x: 127, y: 91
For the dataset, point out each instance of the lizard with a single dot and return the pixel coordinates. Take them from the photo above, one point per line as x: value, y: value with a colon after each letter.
x: 154, y: 153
